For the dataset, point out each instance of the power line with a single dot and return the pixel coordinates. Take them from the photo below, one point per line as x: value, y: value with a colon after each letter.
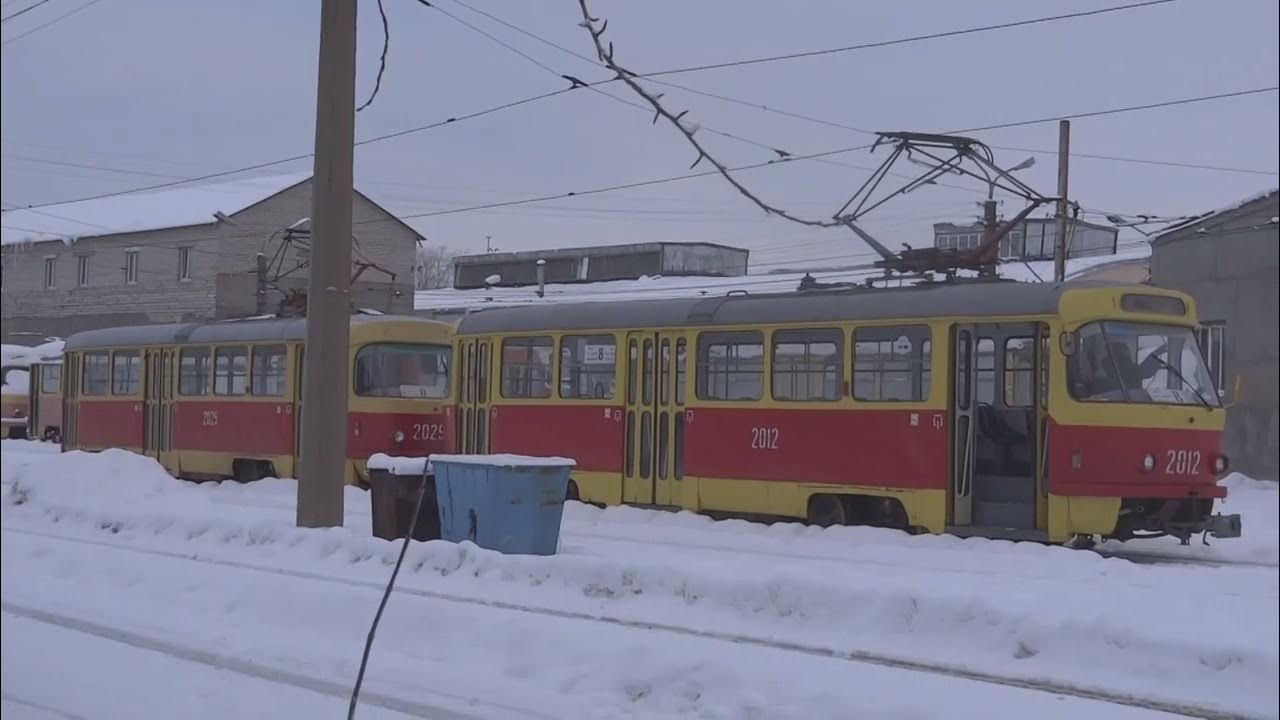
x: 1130, y: 108
x: 905, y: 40
x: 304, y: 156
x: 82, y: 165
x: 63, y: 16
x: 1143, y: 161
x: 23, y: 11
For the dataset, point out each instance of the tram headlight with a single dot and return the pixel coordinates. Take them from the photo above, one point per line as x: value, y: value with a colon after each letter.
x: 1149, y: 463
x: 1220, y: 464
x: 398, y: 436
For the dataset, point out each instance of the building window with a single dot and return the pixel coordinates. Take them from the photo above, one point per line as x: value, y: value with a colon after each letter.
x: 82, y: 270
x: 126, y: 372
x: 526, y: 367
x: 193, y: 371
x: 891, y: 363
x: 269, y: 370
x: 50, y: 272
x: 807, y: 365
x: 97, y: 373
x: 184, y: 263
x: 730, y: 365
x: 130, y: 266
x: 587, y: 365
x: 1213, y: 345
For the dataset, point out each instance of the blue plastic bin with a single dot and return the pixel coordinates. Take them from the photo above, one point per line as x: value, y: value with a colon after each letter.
x: 509, y: 503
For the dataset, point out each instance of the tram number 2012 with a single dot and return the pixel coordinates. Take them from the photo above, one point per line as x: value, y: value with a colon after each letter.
x: 764, y: 438
x: 428, y: 431
x: 1182, y: 462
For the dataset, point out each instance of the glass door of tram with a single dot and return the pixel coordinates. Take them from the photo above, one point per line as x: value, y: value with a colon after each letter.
x: 475, y: 358
x: 653, y: 419
x: 998, y: 418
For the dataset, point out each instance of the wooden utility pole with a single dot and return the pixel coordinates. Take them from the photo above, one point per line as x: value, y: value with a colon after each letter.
x: 1060, y: 237
x: 324, y: 393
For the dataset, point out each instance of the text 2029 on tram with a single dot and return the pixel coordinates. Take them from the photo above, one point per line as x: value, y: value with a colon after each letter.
x: 1045, y: 411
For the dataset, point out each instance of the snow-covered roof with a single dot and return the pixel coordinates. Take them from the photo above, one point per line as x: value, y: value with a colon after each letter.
x: 1201, y: 219
x: 135, y: 212
x: 651, y: 288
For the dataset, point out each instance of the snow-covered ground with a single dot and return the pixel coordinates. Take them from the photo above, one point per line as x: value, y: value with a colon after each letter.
x: 108, y: 562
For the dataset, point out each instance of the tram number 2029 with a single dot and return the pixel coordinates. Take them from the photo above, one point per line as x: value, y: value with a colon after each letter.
x: 1182, y: 462
x: 764, y: 438
x: 428, y: 431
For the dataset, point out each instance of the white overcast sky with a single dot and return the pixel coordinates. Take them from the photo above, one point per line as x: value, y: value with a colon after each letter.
x: 183, y: 88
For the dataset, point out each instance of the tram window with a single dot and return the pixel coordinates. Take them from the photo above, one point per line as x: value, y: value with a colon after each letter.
x: 269, y: 370
x: 646, y: 374
x: 230, y: 370
x: 96, y: 378
x: 126, y: 372
x: 402, y: 370
x: 677, y: 448
x: 526, y: 367
x: 193, y: 371
x: 891, y: 363
x: 664, y: 373
x: 646, y: 444
x: 926, y: 367
x: 633, y: 353
x: 730, y: 365
x: 681, y: 353
x: 587, y: 365
x: 50, y: 378
x: 985, y: 385
x: 482, y: 374
x: 1019, y: 370
x: 807, y: 365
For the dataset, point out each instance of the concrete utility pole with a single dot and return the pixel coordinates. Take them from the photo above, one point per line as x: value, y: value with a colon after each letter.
x: 324, y: 393
x: 1060, y: 238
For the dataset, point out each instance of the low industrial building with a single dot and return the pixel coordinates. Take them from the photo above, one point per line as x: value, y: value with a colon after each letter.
x: 598, y: 263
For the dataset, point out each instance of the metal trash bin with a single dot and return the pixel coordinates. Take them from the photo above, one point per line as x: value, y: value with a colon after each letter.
x: 509, y: 503
x: 392, y: 497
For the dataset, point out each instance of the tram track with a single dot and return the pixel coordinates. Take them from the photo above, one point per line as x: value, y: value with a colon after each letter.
x: 1052, y: 687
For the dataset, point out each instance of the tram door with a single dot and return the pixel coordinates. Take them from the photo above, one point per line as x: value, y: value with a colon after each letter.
x: 998, y: 413
x: 653, y: 412
x: 475, y: 361
x: 157, y: 403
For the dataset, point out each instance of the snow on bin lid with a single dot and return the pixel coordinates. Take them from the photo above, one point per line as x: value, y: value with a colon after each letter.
x: 505, y: 460
x: 397, y: 465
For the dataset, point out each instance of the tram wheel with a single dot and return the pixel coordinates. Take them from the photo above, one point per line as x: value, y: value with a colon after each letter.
x: 827, y: 510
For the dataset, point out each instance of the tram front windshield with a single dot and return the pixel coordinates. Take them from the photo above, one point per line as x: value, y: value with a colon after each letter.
x: 402, y: 370
x: 1126, y: 362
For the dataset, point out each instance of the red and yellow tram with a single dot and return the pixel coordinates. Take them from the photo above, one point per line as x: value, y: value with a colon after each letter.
x: 1045, y: 411
x: 222, y: 399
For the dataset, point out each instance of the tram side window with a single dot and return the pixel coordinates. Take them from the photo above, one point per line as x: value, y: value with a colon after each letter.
x: 807, y: 365
x: 985, y: 387
x: 230, y: 370
x: 892, y: 363
x: 268, y: 371
x: 96, y: 378
x: 50, y: 379
x: 402, y: 370
x: 126, y: 372
x: 526, y: 367
x: 730, y: 365
x: 587, y: 364
x: 193, y: 371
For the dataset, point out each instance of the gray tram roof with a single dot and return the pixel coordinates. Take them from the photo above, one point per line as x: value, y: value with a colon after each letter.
x: 922, y: 301
x: 252, y: 330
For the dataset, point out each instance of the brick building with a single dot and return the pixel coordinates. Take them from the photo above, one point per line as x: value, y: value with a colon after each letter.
x: 185, y: 254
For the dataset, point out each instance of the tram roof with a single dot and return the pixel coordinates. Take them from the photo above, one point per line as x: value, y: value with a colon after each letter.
x: 921, y: 301
x: 251, y: 330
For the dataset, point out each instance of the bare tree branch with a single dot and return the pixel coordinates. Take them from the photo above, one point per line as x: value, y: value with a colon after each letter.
x: 687, y: 128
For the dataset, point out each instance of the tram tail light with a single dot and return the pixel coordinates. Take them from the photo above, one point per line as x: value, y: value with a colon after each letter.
x: 1220, y: 464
